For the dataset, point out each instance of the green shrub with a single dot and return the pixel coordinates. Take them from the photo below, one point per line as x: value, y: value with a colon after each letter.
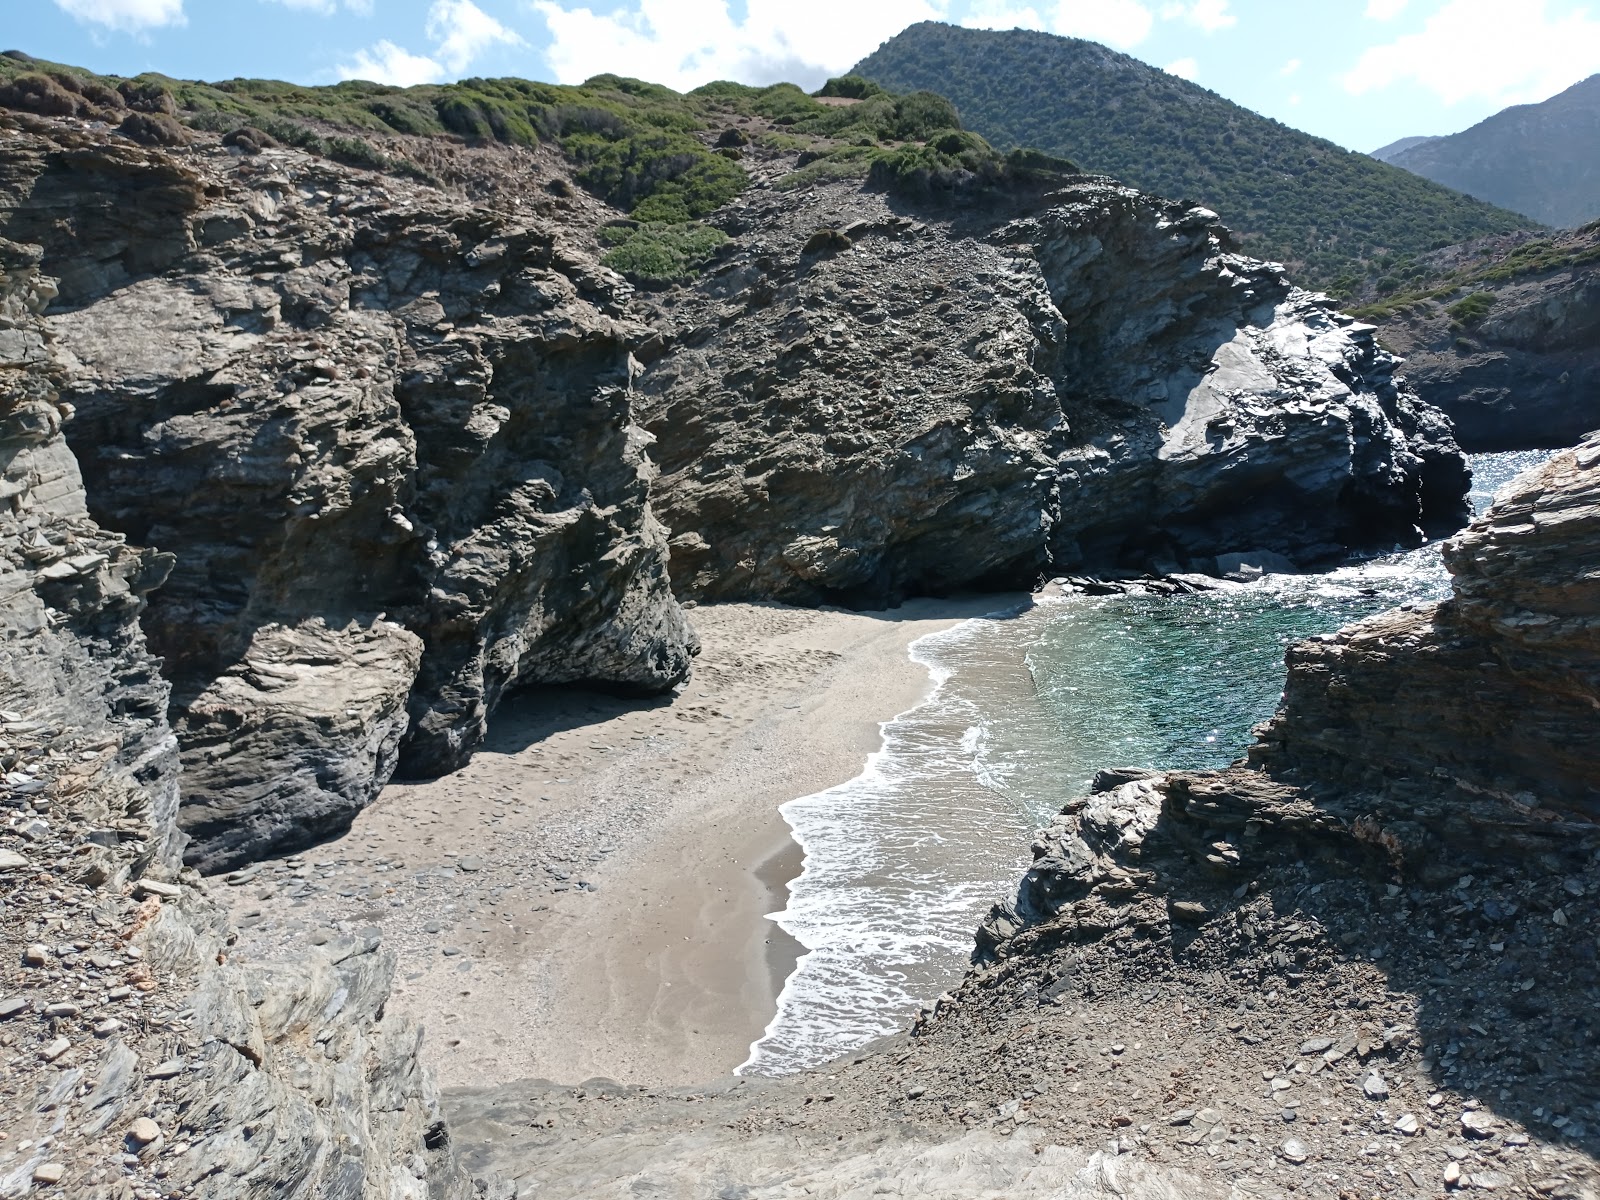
x: 1473, y: 309
x: 850, y: 87
x: 657, y: 254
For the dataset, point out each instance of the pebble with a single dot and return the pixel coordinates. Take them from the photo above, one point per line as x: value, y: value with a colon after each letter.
x: 1295, y: 1151
x: 48, y: 1173
x: 36, y: 955
x: 470, y: 863
x: 1478, y: 1123
x: 1316, y: 1046
x: 1407, y: 1125
x: 1375, y: 1087
x: 11, y: 1006
x: 1452, y: 1174
x: 144, y: 1131
x: 62, y: 1010
x: 10, y: 860
x: 166, y: 1070
x: 55, y: 1049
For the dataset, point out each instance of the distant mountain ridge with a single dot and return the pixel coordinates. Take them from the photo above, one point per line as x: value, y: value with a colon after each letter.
x: 1334, y: 216
x: 1540, y: 159
x: 1388, y: 153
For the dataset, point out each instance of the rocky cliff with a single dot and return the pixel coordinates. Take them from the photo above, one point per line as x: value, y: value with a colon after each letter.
x: 139, y: 1058
x: 385, y: 437
x: 940, y: 398
x: 1512, y: 351
x: 1393, y: 908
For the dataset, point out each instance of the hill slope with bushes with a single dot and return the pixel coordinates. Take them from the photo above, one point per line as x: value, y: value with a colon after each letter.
x: 1541, y: 159
x: 1333, y: 216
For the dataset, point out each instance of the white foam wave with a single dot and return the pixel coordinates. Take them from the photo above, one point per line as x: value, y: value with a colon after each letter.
x: 899, y: 863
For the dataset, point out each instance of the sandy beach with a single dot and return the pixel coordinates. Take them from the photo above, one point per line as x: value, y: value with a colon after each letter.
x: 588, y: 897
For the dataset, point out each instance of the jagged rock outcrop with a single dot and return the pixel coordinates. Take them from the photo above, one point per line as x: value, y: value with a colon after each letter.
x: 138, y: 1056
x: 945, y: 398
x: 386, y: 435
x: 1394, y: 896
x: 1480, y: 715
x: 1215, y: 407
x: 1525, y: 372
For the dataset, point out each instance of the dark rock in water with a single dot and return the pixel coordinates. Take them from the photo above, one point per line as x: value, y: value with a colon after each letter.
x: 973, y: 399
x: 388, y: 440
x: 1253, y: 564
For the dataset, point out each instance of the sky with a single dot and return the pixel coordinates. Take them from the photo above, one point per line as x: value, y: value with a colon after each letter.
x: 1361, y: 73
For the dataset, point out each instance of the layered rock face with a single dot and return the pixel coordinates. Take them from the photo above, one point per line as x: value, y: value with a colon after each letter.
x: 1479, y: 714
x: 386, y: 436
x: 1214, y: 407
x: 972, y: 397
x: 1527, y: 374
x: 1394, y: 909
x: 138, y: 1055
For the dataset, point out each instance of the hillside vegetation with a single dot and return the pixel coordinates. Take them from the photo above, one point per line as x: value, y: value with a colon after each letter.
x: 1336, y: 217
x: 1541, y: 159
x: 664, y: 158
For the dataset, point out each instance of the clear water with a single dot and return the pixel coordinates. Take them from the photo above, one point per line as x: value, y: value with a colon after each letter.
x: 902, y: 861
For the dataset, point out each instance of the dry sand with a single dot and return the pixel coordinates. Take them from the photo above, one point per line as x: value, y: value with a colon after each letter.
x: 588, y: 896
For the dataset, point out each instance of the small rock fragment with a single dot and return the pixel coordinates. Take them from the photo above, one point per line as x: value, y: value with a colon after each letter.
x: 1407, y: 1125
x: 1294, y: 1151
x: 143, y: 1131
x: 48, y: 1173
x: 1477, y: 1123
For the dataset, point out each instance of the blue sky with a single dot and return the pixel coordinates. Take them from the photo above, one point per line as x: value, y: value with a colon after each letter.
x: 1361, y: 72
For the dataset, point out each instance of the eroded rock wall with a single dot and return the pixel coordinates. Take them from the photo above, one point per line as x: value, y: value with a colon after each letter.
x: 1527, y: 373
x: 1481, y: 714
x: 943, y: 398
x: 139, y: 1055
x: 386, y: 435
x: 1215, y: 408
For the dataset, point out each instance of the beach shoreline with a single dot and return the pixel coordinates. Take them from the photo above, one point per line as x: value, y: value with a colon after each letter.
x: 589, y: 897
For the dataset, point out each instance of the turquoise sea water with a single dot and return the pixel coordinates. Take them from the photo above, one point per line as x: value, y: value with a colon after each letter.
x: 902, y: 861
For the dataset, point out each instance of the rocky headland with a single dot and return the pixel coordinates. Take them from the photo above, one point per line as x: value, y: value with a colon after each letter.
x: 1502, y: 335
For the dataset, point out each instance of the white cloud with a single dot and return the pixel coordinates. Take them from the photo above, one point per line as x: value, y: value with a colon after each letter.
x: 1385, y: 10
x: 1184, y: 68
x: 362, y: 8
x: 1290, y: 67
x: 1486, y: 49
x: 126, y: 16
x: 1122, y: 23
x: 684, y: 43
x: 462, y: 31
x: 1212, y: 15
x: 388, y: 63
